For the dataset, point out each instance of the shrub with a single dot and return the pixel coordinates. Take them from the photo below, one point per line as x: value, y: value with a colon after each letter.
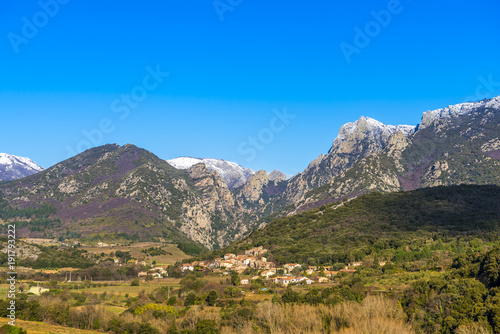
x: 190, y: 299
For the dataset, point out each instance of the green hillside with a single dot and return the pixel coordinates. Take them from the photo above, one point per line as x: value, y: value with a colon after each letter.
x: 399, y: 227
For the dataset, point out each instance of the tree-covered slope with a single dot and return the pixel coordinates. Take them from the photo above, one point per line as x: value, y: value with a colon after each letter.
x: 397, y: 226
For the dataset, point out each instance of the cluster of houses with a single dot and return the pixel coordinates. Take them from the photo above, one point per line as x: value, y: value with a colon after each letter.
x: 255, y: 259
x: 287, y: 278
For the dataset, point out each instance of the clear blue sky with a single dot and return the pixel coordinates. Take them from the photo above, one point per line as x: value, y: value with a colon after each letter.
x: 68, y: 71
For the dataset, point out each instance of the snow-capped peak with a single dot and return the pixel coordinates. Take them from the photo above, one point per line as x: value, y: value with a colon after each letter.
x: 233, y: 174
x: 457, y: 110
x: 13, y: 167
x: 367, y: 124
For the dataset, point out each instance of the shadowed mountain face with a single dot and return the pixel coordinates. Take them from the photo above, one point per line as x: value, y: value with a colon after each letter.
x: 126, y: 190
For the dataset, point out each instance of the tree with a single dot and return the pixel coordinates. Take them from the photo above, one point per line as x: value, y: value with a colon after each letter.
x: 235, y: 279
x: 212, y: 298
x: 190, y: 299
x: 146, y: 328
x: 290, y: 296
x: 173, y: 329
x: 134, y: 282
x: 206, y: 327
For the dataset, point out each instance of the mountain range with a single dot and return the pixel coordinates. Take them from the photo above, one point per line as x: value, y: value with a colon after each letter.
x: 113, y: 191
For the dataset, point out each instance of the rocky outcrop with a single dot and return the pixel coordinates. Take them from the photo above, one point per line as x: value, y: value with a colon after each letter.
x: 278, y: 176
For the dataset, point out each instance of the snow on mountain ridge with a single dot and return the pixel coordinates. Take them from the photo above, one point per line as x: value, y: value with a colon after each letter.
x: 233, y: 174
x: 13, y: 167
x: 457, y: 109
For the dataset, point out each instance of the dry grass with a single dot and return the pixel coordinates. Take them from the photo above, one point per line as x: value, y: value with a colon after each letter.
x: 120, y: 289
x: 43, y: 328
x: 136, y: 252
x: 374, y: 315
x: 473, y: 329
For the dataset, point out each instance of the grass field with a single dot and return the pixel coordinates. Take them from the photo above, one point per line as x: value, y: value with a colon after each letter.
x: 124, y: 288
x: 174, y: 254
x: 43, y: 328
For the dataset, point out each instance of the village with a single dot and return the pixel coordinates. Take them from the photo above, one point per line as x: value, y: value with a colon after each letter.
x: 254, y: 261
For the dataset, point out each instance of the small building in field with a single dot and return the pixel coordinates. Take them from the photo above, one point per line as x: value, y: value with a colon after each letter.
x: 38, y: 290
x: 187, y: 266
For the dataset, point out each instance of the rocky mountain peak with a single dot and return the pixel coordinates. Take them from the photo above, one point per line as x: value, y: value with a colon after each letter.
x: 366, y: 128
x: 278, y: 176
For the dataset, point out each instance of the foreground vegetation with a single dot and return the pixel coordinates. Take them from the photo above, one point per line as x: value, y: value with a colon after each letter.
x: 465, y: 298
x: 430, y: 264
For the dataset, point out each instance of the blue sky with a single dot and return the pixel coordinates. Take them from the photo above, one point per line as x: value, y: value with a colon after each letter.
x: 81, y: 73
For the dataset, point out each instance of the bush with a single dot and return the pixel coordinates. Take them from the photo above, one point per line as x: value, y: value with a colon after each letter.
x: 8, y: 329
x: 135, y: 282
x: 212, y: 298
x: 190, y: 299
x: 147, y: 329
x: 207, y: 327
